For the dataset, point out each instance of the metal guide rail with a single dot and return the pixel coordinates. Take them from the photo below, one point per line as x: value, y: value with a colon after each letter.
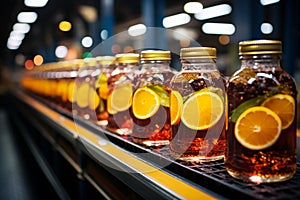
x: 211, y: 175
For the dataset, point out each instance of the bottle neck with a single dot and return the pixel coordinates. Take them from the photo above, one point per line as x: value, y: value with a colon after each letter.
x: 208, y: 64
x: 127, y: 67
x: 155, y: 65
x: 261, y: 61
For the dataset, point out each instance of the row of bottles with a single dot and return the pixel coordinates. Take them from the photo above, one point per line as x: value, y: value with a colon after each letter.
x: 248, y: 119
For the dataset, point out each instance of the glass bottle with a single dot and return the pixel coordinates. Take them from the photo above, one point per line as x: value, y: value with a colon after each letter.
x: 83, y: 87
x: 106, y: 65
x: 198, y: 105
x: 150, y: 104
x: 72, y: 70
x: 120, y: 90
x: 261, y: 135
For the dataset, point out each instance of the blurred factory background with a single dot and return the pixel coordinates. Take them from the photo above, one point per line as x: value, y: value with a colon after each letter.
x: 35, y: 32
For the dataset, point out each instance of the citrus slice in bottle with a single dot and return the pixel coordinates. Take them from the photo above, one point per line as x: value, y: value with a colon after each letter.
x: 175, y: 107
x: 71, y: 92
x: 202, y: 110
x: 121, y: 97
x: 145, y: 103
x: 94, y: 99
x: 110, y: 110
x: 284, y: 106
x: 102, y: 85
x: 83, y: 95
x: 257, y: 128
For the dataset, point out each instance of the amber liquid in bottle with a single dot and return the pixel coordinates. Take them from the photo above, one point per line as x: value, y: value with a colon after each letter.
x: 277, y: 162
x: 261, y: 135
x: 199, y: 145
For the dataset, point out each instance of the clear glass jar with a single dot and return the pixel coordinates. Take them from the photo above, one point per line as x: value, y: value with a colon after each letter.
x: 120, y: 91
x: 72, y: 70
x: 198, y: 104
x: 83, y: 87
x: 261, y: 135
x: 150, y: 104
x: 106, y: 64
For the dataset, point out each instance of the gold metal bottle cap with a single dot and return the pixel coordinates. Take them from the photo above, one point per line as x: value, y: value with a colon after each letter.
x: 198, y: 52
x: 106, y: 60
x: 90, y: 61
x: 128, y: 58
x: 155, y: 55
x: 253, y: 47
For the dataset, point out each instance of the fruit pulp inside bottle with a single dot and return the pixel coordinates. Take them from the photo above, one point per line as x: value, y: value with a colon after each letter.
x: 277, y: 162
x: 191, y: 144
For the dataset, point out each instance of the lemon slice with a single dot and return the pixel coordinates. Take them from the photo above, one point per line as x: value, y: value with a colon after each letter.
x: 175, y: 107
x: 71, y: 92
x: 145, y: 103
x: 284, y: 106
x: 94, y: 99
x: 257, y: 128
x: 102, y: 84
x: 202, y: 110
x: 121, y: 97
x: 83, y: 95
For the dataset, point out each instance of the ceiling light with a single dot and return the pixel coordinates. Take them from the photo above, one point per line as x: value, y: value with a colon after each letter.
x: 266, y: 28
x: 218, y: 28
x: 268, y: 2
x: 21, y: 27
x: 13, y: 42
x: 27, y: 17
x: 64, y: 26
x: 89, y: 13
x: 35, y: 3
x: 214, y: 11
x: 87, y: 41
x: 38, y: 60
x: 176, y: 20
x: 12, y: 47
x: 136, y: 30
x: 16, y: 36
x: 61, y: 51
x: 193, y: 7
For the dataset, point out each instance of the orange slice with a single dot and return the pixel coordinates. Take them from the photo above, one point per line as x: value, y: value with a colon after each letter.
x: 94, y: 99
x: 110, y: 110
x: 121, y: 97
x: 257, y: 128
x: 83, y: 95
x: 103, y: 85
x: 284, y: 106
x: 202, y: 110
x: 71, y: 92
x: 176, y: 104
x: 145, y: 103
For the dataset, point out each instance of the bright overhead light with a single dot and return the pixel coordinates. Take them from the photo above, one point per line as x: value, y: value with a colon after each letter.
x: 12, y: 47
x: 13, y: 42
x: 64, y: 26
x: 193, y: 7
x: 136, y: 30
x: 218, y: 28
x: 35, y: 3
x: 61, y: 51
x: 104, y: 34
x: 266, y: 28
x: 21, y: 27
x: 214, y: 11
x: 17, y: 37
x: 176, y: 20
x: 87, y: 41
x: 268, y: 2
x: 27, y: 17
x: 17, y: 34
